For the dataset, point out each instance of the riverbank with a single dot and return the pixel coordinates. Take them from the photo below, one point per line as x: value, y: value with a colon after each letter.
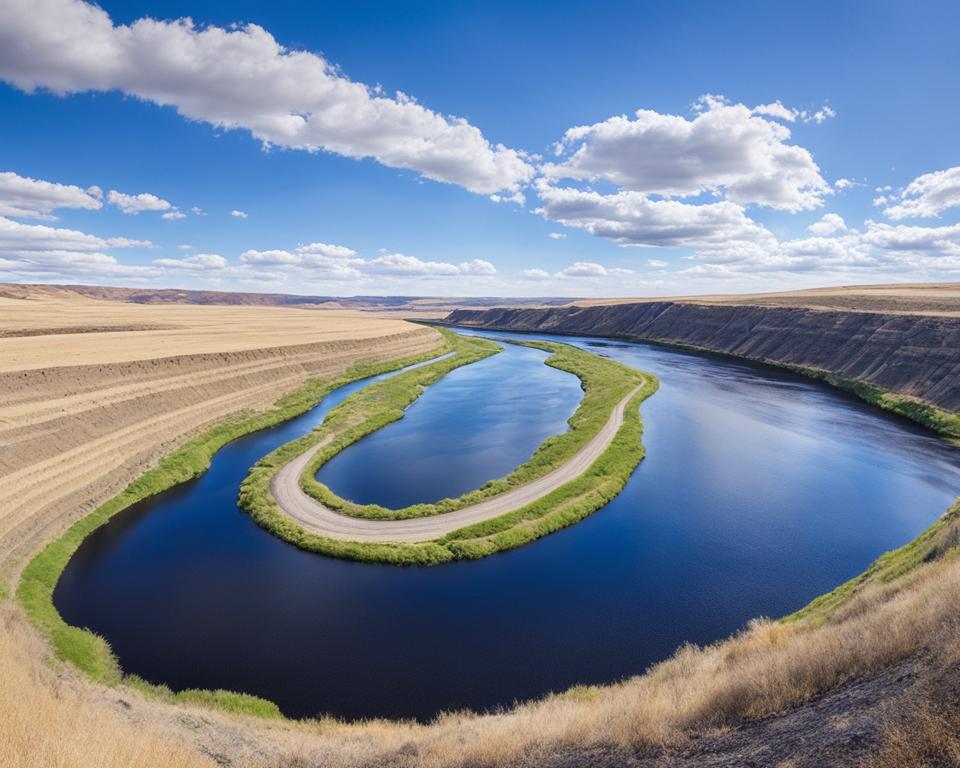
x: 916, y: 357
x: 569, y: 476
x: 605, y: 384
x: 91, y: 653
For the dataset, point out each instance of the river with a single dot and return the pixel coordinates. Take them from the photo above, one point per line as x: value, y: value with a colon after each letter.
x: 760, y: 490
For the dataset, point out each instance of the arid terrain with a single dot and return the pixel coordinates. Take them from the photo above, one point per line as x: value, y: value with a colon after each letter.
x: 92, y: 392
x: 921, y: 299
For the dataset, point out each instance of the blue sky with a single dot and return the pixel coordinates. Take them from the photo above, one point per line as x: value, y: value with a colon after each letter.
x: 352, y: 190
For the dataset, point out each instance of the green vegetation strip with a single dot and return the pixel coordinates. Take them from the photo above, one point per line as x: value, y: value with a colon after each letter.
x: 605, y: 382
x: 939, y: 540
x: 91, y: 653
x: 940, y: 421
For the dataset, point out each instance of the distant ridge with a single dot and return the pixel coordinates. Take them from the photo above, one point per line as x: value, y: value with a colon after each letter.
x: 185, y: 296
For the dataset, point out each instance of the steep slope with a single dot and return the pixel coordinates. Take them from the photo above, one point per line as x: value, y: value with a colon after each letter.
x: 913, y: 355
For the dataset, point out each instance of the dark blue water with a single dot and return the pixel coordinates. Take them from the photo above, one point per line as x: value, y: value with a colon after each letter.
x: 478, y: 423
x: 760, y: 491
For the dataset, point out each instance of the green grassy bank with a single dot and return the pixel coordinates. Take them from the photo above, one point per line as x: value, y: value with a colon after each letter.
x: 941, y: 539
x: 936, y: 419
x: 605, y: 383
x: 944, y: 423
x: 91, y: 653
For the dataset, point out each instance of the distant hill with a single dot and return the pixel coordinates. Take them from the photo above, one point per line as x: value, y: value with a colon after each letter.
x: 183, y: 296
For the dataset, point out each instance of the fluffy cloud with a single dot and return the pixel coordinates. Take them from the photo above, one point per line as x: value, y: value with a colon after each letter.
x: 880, y: 249
x: 173, y: 215
x: 779, y: 111
x: 534, y: 274
x: 200, y: 262
x: 134, y: 204
x: 631, y: 218
x: 478, y: 268
x: 556, y: 235
x: 241, y: 77
x: 657, y: 264
x: 936, y: 242
x: 725, y: 149
x: 40, y: 251
x: 327, y: 250
x: 238, y: 214
x: 843, y: 184
x: 591, y: 269
x: 828, y: 224
x: 926, y: 196
x: 337, y: 262
x: 23, y: 197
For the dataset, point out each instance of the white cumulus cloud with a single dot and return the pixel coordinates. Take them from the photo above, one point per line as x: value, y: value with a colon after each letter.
x: 242, y: 78
x: 134, y: 204
x: 24, y: 197
x: 534, y: 274
x: 338, y: 262
x: 828, y: 224
x: 238, y: 214
x: 927, y: 196
x: 592, y: 269
x: 726, y: 150
x: 632, y: 218
x: 43, y: 252
x: 200, y: 262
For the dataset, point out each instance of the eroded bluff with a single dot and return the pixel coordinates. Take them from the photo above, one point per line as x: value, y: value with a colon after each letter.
x: 914, y: 355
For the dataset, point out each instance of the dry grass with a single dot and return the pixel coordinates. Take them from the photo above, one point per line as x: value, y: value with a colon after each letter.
x: 929, y: 737
x: 84, y: 413
x: 923, y: 727
x: 46, y: 723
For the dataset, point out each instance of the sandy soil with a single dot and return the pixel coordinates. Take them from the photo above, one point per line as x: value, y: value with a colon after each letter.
x: 315, y: 517
x: 84, y: 410
x: 920, y: 299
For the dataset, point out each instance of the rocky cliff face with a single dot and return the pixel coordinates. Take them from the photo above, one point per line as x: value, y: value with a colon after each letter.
x: 910, y: 355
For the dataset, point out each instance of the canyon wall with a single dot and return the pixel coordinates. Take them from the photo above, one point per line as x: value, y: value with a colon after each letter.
x: 910, y: 355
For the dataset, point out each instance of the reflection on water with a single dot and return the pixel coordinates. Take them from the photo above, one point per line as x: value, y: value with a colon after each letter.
x: 478, y: 423
x: 760, y: 490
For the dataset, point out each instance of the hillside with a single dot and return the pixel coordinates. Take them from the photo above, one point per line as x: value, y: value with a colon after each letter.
x: 913, y: 355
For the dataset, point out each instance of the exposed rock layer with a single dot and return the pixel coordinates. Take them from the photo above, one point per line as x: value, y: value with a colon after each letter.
x: 910, y: 355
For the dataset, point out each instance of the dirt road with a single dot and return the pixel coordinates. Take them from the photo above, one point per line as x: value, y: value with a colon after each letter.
x: 317, y: 518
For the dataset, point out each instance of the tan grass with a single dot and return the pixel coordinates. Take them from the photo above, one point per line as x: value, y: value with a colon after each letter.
x: 46, y: 723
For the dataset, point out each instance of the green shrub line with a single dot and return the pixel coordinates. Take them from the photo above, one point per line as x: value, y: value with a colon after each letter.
x: 89, y: 652
x: 604, y: 382
x: 943, y: 422
x: 936, y: 419
x: 937, y: 541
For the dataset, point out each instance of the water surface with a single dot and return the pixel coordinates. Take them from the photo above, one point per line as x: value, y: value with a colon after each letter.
x: 760, y: 491
x: 477, y: 424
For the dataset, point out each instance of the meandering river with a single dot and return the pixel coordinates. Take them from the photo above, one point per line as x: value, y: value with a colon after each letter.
x: 760, y: 490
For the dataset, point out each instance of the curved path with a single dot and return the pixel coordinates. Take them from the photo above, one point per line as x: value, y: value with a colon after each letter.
x: 317, y: 518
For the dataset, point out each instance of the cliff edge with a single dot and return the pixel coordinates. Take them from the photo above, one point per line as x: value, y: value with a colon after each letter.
x: 913, y: 355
